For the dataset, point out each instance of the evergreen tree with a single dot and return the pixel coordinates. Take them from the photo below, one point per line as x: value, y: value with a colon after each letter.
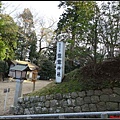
x: 27, y: 42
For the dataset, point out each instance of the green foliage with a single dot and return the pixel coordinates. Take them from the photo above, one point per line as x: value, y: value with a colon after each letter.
x: 47, y: 70
x: 76, y: 16
x: 3, y: 66
x: 75, y: 23
x: 2, y: 48
x: 27, y: 40
x: 33, y: 48
x: 69, y: 67
x: 72, y: 76
x: 8, y: 30
x: 88, y: 25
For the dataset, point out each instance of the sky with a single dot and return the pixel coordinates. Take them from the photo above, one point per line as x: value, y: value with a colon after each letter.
x: 48, y: 9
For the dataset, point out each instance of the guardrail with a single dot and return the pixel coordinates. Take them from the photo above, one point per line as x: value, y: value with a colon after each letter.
x: 103, y: 115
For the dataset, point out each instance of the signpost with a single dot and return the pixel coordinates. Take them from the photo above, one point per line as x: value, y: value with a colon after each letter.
x: 34, y: 78
x: 60, y: 61
x: 6, y: 91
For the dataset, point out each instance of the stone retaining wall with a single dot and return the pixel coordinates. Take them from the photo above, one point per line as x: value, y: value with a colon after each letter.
x: 84, y: 101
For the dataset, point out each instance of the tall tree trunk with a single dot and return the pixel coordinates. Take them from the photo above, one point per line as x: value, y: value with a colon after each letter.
x: 95, y: 42
x: 72, y: 48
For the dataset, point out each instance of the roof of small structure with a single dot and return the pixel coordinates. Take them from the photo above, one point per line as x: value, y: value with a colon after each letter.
x: 32, y: 66
x: 20, y: 67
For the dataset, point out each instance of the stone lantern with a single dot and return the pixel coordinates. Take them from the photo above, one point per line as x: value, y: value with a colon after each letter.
x: 19, y: 73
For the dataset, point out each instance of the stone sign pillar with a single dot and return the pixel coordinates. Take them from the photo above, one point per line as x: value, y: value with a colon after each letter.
x: 60, y: 61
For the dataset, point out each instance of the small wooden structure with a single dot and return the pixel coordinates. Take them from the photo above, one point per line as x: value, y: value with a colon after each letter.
x: 31, y: 66
x: 19, y: 71
x: 31, y: 74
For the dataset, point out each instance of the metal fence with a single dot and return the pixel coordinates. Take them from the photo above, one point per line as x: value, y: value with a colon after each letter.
x: 101, y: 115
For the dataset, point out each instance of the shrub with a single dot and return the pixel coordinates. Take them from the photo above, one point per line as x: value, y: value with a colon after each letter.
x: 47, y: 70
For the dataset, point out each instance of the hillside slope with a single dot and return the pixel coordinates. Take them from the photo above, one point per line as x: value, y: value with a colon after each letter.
x: 102, y: 75
x: 105, y: 74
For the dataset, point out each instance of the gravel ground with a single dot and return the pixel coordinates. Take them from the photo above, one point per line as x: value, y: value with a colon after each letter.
x: 26, y: 88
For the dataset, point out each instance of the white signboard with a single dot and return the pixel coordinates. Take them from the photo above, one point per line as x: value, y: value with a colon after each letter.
x: 60, y: 61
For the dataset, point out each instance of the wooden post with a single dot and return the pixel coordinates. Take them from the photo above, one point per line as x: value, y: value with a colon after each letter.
x: 34, y: 78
